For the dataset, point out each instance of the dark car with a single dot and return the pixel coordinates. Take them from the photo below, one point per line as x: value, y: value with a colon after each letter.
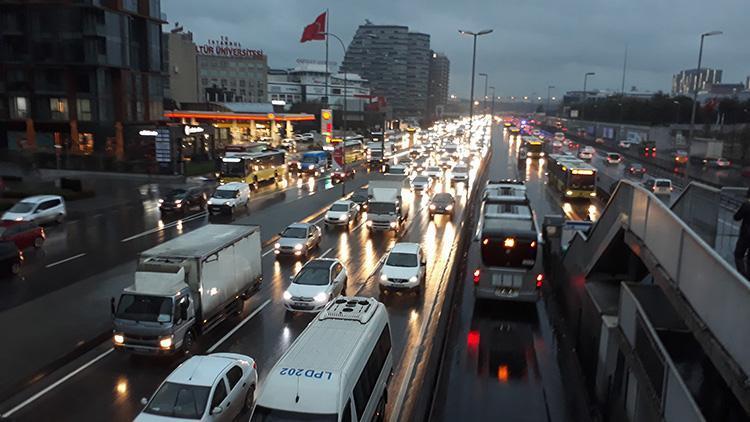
x: 180, y: 200
x: 341, y: 175
x: 360, y: 197
x: 636, y: 169
x: 11, y: 258
x: 24, y: 234
x: 442, y: 203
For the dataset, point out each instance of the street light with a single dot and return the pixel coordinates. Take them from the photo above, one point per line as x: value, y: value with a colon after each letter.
x: 473, y: 70
x: 549, y: 88
x: 484, y: 103
x: 695, y: 86
x: 585, y: 81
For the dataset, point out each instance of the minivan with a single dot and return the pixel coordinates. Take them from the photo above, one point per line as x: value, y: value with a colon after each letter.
x: 38, y: 209
x: 226, y: 198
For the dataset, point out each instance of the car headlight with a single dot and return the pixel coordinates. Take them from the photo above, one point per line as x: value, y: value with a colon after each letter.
x: 342, y: 218
x: 369, y: 223
x: 310, y: 166
x: 320, y: 297
x: 166, y: 342
x: 161, y: 201
x: 277, y: 245
x: 383, y: 277
x: 393, y: 224
x: 287, y: 295
x: 569, y: 192
x: 432, y: 206
x: 541, y: 154
x: 118, y: 338
x: 178, y: 202
x: 592, y: 194
x: 449, y: 207
x: 413, y: 279
x: 298, y: 247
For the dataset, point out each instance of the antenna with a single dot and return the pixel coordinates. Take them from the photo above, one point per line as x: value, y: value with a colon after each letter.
x: 296, y: 399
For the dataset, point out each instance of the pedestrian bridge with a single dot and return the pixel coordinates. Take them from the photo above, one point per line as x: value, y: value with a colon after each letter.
x: 659, y: 314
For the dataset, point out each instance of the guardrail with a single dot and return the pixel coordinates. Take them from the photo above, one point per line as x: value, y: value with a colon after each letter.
x: 717, y: 293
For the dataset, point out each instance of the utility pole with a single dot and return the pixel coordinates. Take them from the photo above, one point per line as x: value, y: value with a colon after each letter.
x: 473, y: 69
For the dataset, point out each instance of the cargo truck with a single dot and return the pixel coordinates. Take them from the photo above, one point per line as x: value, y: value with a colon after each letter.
x: 386, y: 209
x: 185, y: 287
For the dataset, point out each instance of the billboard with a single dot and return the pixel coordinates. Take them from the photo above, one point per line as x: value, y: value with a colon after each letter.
x: 326, y: 122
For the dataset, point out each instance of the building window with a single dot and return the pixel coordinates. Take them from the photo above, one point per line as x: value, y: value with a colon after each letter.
x: 242, y: 83
x: 84, y: 109
x: 19, y: 107
x: 59, y: 108
x: 223, y: 83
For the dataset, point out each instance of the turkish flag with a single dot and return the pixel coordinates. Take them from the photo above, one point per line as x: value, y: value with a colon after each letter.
x: 316, y: 30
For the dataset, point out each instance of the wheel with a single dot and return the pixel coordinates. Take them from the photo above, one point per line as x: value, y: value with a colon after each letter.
x: 249, y: 399
x: 15, y: 268
x: 188, y: 343
x: 255, y: 182
x: 38, y: 242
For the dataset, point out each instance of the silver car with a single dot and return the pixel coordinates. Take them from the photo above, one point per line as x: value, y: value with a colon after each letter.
x: 298, y: 239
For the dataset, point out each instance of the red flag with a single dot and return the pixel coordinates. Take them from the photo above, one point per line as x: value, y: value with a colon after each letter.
x: 316, y: 30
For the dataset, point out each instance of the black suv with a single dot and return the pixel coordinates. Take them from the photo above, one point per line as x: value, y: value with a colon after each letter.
x: 180, y: 200
x: 10, y: 258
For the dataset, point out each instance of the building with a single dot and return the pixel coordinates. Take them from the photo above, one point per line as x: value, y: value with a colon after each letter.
x: 437, y: 92
x: 80, y: 78
x: 227, y: 72
x: 747, y: 83
x: 181, y: 65
x: 685, y: 82
x: 396, y: 64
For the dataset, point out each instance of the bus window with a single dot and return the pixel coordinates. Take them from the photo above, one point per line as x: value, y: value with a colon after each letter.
x: 582, y: 181
x: 233, y: 168
x: 516, y: 249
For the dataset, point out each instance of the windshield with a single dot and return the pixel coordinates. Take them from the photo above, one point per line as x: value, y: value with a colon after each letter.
x: 397, y: 170
x: 663, y: 183
x: 22, y: 207
x: 179, y: 401
x: 145, y: 308
x: 582, y: 181
x: 398, y: 259
x: 421, y: 179
x: 495, y: 253
x: 534, y: 146
x: 339, y: 208
x: 460, y: 169
x: 265, y: 414
x: 233, y: 168
x: 432, y: 169
x: 312, y: 276
x: 442, y: 198
x: 310, y: 160
x: 381, y: 208
x: 295, y: 232
x: 225, y: 194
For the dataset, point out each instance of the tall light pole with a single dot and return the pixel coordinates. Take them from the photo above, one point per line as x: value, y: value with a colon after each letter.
x: 585, y: 81
x: 473, y: 69
x: 695, y: 86
x: 484, y: 103
x: 343, y: 154
x: 549, y: 88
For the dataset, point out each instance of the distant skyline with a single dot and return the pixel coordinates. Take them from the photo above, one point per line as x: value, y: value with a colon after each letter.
x: 534, y: 44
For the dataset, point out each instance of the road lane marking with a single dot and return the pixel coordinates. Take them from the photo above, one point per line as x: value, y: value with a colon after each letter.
x: 166, y: 226
x: 325, y: 253
x: 56, y: 384
x: 375, y: 270
x: 267, y: 252
x: 238, y: 326
x: 62, y: 261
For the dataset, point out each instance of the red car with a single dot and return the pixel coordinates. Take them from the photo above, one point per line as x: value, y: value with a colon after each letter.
x: 23, y: 233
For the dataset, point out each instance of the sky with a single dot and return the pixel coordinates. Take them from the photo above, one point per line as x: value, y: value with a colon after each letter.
x: 535, y: 43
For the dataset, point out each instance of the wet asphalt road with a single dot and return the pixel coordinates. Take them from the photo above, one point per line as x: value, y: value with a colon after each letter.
x: 110, y: 389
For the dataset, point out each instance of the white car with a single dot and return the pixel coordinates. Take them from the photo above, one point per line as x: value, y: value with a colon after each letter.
x: 722, y: 162
x: 659, y: 186
x: 298, y: 239
x: 557, y: 144
x: 586, y: 153
x: 421, y: 184
x: 405, y: 267
x: 315, y: 285
x: 613, y: 158
x: 624, y: 144
x: 460, y: 173
x: 433, y: 172
x: 38, y: 209
x: 559, y: 136
x: 216, y: 387
x: 226, y: 198
x: 398, y: 169
x: 341, y: 213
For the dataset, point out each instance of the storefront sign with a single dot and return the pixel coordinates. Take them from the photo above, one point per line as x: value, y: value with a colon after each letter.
x: 163, y: 145
x: 189, y: 130
x: 146, y: 132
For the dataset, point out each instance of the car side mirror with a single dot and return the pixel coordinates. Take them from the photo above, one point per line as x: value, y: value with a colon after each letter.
x: 112, y: 306
x: 216, y: 410
x: 144, y: 401
x: 291, y: 278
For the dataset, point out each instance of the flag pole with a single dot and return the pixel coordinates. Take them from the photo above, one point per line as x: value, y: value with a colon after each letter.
x: 328, y: 17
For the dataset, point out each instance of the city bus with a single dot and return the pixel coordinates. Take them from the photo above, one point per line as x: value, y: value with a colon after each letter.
x: 510, y: 266
x: 572, y: 177
x: 354, y: 149
x: 253, y: 168
x: 533, y: 146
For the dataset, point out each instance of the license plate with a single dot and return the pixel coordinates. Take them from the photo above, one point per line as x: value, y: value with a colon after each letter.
x: 506, y: 280
x: 528, y: 262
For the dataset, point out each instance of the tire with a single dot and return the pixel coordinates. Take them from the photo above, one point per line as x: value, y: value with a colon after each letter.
x: 247, y: 406
x: 188, y: 343
x: 38, y: 242
x: 15, y: 268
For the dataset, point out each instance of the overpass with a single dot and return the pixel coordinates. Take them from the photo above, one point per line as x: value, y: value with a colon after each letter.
x: 657, y: 313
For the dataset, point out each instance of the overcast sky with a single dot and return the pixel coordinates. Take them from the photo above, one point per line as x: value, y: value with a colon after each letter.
x: 535, y: 43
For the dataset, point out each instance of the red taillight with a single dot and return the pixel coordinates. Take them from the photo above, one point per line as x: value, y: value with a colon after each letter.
x: 472, y: 340
x: 255, y: 365
x: 476, y: 276
x: 533, y: 244
x: 539, y: 280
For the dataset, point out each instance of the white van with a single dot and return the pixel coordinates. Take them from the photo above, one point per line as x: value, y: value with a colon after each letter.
x: 229, y: 196
x: 38, y: 209
x: 337, y: 370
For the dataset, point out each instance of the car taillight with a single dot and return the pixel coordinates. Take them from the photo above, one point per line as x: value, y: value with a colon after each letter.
x: 539, y: 280
x: 477, y: 273
x: 255, y: 365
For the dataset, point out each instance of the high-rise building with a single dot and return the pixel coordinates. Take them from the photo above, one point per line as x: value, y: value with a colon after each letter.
x: 437, y: 93
x: 227, y: 72
x: 395, y: 62
x: 80, y: 77
x: 747, y: 83
x: 181, y: 65
x: 686, y: 81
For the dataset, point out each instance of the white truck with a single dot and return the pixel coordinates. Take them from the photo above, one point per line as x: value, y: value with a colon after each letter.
x: 185, y: 287
x: 704, y: 150
x: 386, y: 209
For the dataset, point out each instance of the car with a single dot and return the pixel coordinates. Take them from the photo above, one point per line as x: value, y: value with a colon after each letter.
x: 23, y: 233
x: 215, y: 387
x: 360, y: 197
x: 180, y: 200
x: 559, y: 136
x: 298, y: 239
x: 11, y: 258
x: 442, y: 203
x: 398, y: 169
x: 624, y: 144
x: 341, y: 174
x: 557, y: 144
x: 613, y: 158
x: 445, y: 162
x: 419, y: 165
x: 722, y: 163
x: 421, y: 184
x: 536, y: 132
x: 659, y: 186
x: 636, y: 169
x: 681, y: 156
x: 227, y: 197
x: 414, y: 153
x: 404, y: 267
x: 599, y: 140
x: 433, y: 172
x: 460, y: 173
x: 39, y: 209
x: 341, y: 213
x: 586, y: 153
x: 315, y: 285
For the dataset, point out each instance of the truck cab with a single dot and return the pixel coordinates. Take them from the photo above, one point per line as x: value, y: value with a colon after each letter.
x: 386, y: 209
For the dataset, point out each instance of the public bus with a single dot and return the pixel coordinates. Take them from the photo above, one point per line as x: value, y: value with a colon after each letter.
x: 354, y: 149
x: 232, y: 150
x: 572, y: 177
x: 533, y: 147
x: 510, y: 266
x: 253, y: 168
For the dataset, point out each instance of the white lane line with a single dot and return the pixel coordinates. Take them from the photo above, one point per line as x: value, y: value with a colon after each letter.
x: 375, y: 270
x: 325, y: 253
x: 238, y: 326
x: 166, y: 226
x: 62, y: 261
x: 56, y: 384
x: 267, y: 252
x: 360, y: 224
x: 320, y: 219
